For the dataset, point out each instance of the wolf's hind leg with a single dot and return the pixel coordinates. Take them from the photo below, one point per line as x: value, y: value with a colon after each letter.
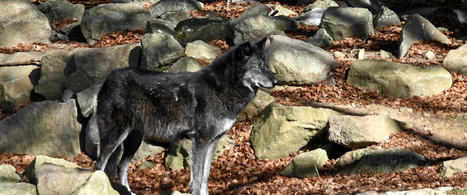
x: 201, y: 157
x: 111, y: 167
x: 130, y: 146
x: 108, y: 145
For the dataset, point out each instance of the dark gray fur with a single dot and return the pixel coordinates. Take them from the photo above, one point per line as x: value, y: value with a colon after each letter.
x: 160, y: 108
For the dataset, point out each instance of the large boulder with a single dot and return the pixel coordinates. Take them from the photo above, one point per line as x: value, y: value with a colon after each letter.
x: 296, y: 62
x: 452, y: 167
x: 43, y: 128
x: 379, y: 161
x: 359, y: 131
x: 17, y: 189
x: 254, y: 28
x: 15, y: 86
x: 282, y: 130
x: 32, y: 168
x: 93, y: 65
x: 312, y: 17
x: 58, y: 11
x: 320, y: 39
x: 52, y: 81
x: 111, y: 17
x: 456, y: 60
x: 174, y: 10
x: 417, y: 28
x: 398, y: 80
x: 346, y: 22
x: 256, y: 106
x: 201, y: 50
x: 159, y: 49
x: 205, y: 29
x: 306, y: 164
x: 180, y: 151
x: 56, y: 179
x: 8, y: 174
x: 22, y: 22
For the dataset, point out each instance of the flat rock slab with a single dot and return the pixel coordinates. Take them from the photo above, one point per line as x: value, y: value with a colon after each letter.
x: 30, y: 26
x: 32, y: 168
x: 306, y: 164
x: 295, y: 62
x: 399, y: 80
x: 417, y: 28
x: 346, y: 22
x: 201, y: 50
x: 174, y: 10
x: 17, y: 189
x: 15, y: 86
x: 205, y: 29
x: 52, y: 81
x: 360, y: 131
x: 186, y: 64
x: 452, y: 167
x: 456, y: 60
x: 379, y: 161
x: 282, y: 130
x: 41, y: 128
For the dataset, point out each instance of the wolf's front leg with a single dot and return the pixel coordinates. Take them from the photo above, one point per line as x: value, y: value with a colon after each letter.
x: 201, y: 157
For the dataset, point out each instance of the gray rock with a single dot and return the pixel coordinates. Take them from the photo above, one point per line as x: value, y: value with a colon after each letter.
x: 92, y: 138
x: 282, y: 11
x: 159, y: 49
x: 380, y: 161
x: 306, y: 164
x: 180, y: 151
x: 30, y: 26
x: 41, y: 128
x: 111, y: 17
x: 201, y: 50
x: 56, y: 179
x: 186, y: 64
x: 87, y: 99
x: 17, y: 189
x: 282, y: 130
x: 346, y: 22
x: 160, y: 26
x: 398, y: 80
x: 8, y: 174
x: 360, y: 131
x: 52, y: 81
x: 312, y: 17
x: 205, y: 29
x: 256, y: 106
x: 386, y: 17
x: 93, y: 65
x: 58, y: 10
x: 32, y: 168
x: 372, y: 5
x: 417, y: 29
x: 21, y: 58
x: 254, y: 28
x: 284, y: 22
x: 322, y: 4
x: 296, y: 62
x: 320, y: 39
x: 174, y: 10
x: 452, y: 167
x: 255, y: 10
x: 456, y: 60
x: 15, y: 86
x: 144, y: 151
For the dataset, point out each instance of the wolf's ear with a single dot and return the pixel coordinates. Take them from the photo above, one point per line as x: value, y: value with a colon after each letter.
x: 263, y: 43
x: 244, y: 50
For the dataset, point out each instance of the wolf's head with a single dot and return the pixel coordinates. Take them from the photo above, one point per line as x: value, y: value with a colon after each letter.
x: 251, y: 67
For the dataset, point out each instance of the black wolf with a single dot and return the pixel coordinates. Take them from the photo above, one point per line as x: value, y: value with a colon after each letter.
x: 135, y: 105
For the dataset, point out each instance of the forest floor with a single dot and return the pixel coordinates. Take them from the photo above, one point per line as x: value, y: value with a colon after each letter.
x: 237, y: 171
